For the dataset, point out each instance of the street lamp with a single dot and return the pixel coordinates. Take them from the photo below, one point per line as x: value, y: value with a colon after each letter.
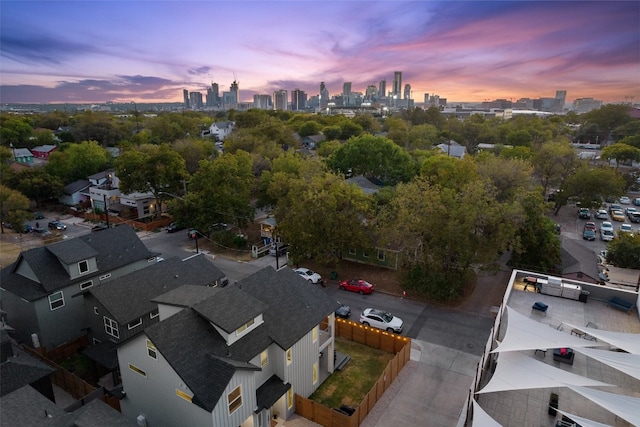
x: 187, y: 205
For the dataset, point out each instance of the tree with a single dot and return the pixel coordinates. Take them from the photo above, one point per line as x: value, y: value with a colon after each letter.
x: 374, y: 157
x: 158, y: 169
x: 98, y: 126
x: 309, y: 128
x: 78, y: 161
x: 15, y: 130
x: 13, y: 208
x: 621, y: 153
x: 519, y: 138
x: 321, y: 216
x: 510, y: 177
x: 607, y: 118
x: 448, y: 172
x: 553, y: 162
x: 193, y: 150
x: 624, y: 252
x: 587, y: 186
x: 422, y: 136
x: 38, y: 184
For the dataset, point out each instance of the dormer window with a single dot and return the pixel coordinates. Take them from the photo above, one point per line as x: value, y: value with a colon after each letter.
x: 244, y: 327
x: 83, y: 267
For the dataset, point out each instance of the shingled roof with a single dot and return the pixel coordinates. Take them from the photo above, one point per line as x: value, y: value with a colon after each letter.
x: 113, y: 248
x: 130, y: 297
x: 290, y: 306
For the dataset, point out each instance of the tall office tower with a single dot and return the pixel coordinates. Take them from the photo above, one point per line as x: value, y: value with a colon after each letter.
x: 382, y: 89
x: 185, y: 96
x: 371, y: 93
x: 235, y: 94
x: 298, y: 100
x: 407, y: 91
x: 397, y: 83
x: 216, y: 94
x: 195, y: 100
x: 280, y: 100
x: 262, y: 102
x: 324, y: 95
x: 426, y: 99
x: 346, y: 94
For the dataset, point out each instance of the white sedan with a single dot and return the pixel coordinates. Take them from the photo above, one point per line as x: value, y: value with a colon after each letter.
x: 382, y: 320
x: 602, y: 214
x: 624, y: 200
x: 606, y: 225
x: 309, y: 275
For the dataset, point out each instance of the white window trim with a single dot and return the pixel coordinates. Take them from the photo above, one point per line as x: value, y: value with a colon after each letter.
x: 95, y: 310
x: 153, y: 316
x: 264, y: 361
x: 314, y: 334
x: 110, y: 327
x: 289, y: 356
x: 152, y: 349
x: 352, y: 251
x: 80, y: 269
x: 244, y: 328
x: 132, y: 325
x: 381, y: 255
x: 51, y: 302
x: 230, y: 403
x: 83, y: 285
x: 290, y: 398
x: 137, y: 370
x: 105, y: 276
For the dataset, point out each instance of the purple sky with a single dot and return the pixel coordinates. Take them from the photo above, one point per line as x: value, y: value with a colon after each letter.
x: 149, y: 51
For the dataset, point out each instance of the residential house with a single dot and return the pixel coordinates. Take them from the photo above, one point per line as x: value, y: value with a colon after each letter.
x: 23, y: 156
x: 106, y: 196
x: 75, y: 193
x: 220, y: 130
x: 37, y: 289
x: 233, y: 357
x: 453, y: 149
x: 312, y: 142
x: 43, y: 151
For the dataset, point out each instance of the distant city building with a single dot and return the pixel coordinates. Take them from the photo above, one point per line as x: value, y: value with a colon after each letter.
x: 382, y: 89
x: 324, y: 95
x: 262, y: 102
x: 185, y: 96
x: 584, y: 105
x: 561, y: 97
x: 230, y: 99
x: 213, y: 96
x: 397, y: 83
x: 346, y: 94
x: 371, y: 93
x: 195, y: 100
x: 407, y: 91
x: 280, y: 100
x: 298, y: 100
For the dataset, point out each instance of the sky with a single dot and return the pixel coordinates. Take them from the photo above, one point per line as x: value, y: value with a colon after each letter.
x: 149, y: 51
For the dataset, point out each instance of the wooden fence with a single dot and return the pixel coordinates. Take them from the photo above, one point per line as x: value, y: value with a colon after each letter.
x: 371, y: 337
x: 68, y: 381
x: 146, y: 226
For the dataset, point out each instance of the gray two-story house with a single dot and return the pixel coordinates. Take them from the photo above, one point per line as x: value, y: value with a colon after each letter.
x: 37, y: 290
x: 232, y: 356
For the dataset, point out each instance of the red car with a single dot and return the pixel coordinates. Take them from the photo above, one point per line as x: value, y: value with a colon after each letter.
x: 360, y: 286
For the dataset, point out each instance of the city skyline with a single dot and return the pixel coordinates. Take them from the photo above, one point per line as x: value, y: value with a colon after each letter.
x: 150, y: 51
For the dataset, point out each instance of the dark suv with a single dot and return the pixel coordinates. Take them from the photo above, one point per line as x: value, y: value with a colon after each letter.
x: 584, y: 213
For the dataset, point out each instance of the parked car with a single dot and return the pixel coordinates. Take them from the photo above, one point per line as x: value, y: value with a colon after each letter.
x: 602, y: 214
x: 343, y: 311
x: 624, y: 200
x: 635, y: 217
x: 42, y: 232
x: 589, y: 234
x: 614, y: 207
x: 618, y: 215
x: 382, y: 320
x: 99, y: 227
x: 174, y: 226
x: 629, y: 211
x: 219, y: 226
x: 309, y: 275
x: 625, y: 228
x: 584, y: 213
x: 56, y: 225
x: 278, y: 249
x: 590, y: 225
x: 357, y: 285
x: 606, y: 225
x: 607, y: 235
x: 38, y: 215
x: 636, y: 201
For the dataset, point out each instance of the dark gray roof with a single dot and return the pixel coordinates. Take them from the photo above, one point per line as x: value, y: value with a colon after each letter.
x: 230, y: 309
x: 26, y: 407
x: 115, y: 248
x: 130, y: 297
x: 104, y: 353
x: 364, y: 183
x: 76, y: 186
x: 186, y: 295
x: 20, y: 370
x: 269, y: 392
x: 571, y: 254
x: 71, y: 251
x: 200, y: 355
x: 294, y: 307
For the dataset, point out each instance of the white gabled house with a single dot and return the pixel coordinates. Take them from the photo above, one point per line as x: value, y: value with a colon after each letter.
x: 232, y: 356
x: 220, y: 130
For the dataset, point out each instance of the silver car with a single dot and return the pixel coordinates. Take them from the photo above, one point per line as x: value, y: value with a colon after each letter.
x: 382, y: 320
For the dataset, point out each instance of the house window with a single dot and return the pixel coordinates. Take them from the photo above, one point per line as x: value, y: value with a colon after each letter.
x: 352, y: 251
x: 83, y: 267
x: 290, y: 398
x: 137, y: 370
x: 56, y: 301
x: 151, y: 350
x: 365, y: 254
x: 315, y: 373
x: 235, y: 399
x: 86, y: 285
x: 154, y: 313
x: 381, y: 255
x: 183, y: 395
x: 95, y: 310
x: 264, y: 358
x: 105, y: 276
x: 314, y: 334
x: 244, y: 327
x: 134, y: 324
x: 111, y: 327
x: 289, y: 357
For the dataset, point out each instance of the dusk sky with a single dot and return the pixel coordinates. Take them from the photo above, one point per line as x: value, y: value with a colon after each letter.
x: 149, y: 51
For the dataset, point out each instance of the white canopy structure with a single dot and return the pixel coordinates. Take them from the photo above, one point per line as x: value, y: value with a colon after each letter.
x: 624, y: 362
x: 625, y: 407
x: 524, y: 333
x: 584, y: 422
x: 627, y: 342
x: 516, y: 371
x: 481, y: 418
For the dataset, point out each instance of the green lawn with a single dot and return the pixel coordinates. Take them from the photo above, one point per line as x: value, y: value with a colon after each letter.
x: 354, y: 381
